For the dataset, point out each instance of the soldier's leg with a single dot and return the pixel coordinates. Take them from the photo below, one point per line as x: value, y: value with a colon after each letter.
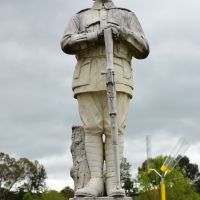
x: 92, y: 118
x: 122, y: 111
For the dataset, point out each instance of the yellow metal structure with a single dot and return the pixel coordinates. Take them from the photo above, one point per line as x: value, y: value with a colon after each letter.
x: 170, y: 162
x: 149, y: 171
x: 162, y: 191
x: 165, y: 169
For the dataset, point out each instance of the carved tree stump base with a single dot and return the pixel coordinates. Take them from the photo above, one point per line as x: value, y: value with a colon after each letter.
x: 80, y: 171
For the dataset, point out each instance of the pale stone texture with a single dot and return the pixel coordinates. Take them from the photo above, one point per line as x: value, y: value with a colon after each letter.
x: 80, y: 170
x: 84, y: 38
x: 81, y: 38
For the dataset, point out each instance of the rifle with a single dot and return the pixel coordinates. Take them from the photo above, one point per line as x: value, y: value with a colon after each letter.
x: 111, y: 95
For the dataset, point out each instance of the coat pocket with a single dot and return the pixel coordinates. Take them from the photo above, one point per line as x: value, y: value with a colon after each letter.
x: 123, y: 70
x: 127, y: 69
x: 82, y: 73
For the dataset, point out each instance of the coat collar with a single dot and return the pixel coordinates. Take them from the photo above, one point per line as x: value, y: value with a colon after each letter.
x: 99, y: 6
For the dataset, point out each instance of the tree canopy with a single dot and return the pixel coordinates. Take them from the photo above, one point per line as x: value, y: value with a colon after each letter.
x: 68, y: 192
x: 20, y: 175
x: 192, y: 172
x: 126, y: 179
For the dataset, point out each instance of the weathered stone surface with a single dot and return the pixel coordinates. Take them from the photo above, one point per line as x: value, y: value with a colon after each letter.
x: 89, y: 49
x: 104, y: 37
x: 80, y: 171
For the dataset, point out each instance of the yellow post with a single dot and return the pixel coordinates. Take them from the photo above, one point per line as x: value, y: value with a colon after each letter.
x: 162, y: 190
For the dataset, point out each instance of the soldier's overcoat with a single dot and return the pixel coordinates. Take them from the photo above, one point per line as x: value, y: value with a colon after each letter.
x: 81, y: 38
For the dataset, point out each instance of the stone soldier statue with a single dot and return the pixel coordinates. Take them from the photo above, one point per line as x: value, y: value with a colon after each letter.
x: 83, y: 37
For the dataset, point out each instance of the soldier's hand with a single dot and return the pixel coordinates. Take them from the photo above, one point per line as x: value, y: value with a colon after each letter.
x: 100, y: 33
x: 115, y: 30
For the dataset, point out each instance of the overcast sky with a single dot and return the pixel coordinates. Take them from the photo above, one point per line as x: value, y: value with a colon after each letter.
x: 37, y: 109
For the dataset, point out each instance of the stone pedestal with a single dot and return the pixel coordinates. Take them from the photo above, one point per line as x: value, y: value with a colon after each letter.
x: 101, y: 198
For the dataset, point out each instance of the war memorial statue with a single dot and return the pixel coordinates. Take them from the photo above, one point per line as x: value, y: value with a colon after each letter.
x: 104, y: 40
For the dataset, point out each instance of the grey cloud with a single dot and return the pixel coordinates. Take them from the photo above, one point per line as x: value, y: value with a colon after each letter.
x: 37, y: 105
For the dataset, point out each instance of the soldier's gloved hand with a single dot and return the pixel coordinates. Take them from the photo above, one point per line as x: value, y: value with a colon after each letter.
x: 115, y: 30
x: 100, y: 34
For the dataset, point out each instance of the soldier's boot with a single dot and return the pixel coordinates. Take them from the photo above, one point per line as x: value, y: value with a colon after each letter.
x: 111, y: 181
x: 94, y: 154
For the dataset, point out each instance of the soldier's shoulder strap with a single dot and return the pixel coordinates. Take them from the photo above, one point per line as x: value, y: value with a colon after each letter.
x: 120, y: 8
x: 81, y: 11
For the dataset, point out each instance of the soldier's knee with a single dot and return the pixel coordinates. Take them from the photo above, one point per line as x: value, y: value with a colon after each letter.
x: 93, y: 129
x: 108, y: 131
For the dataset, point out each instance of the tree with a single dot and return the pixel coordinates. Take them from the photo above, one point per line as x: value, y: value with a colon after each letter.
x: 27, y: 196
x: 192, y: 171
x: 36, y: 179
x: 197, y: 184
x: 20, y: 175
x: 11, y: 173
x: 125, y: 176
x: 178, y: 185
x: 125, y: 168
x: 52, y: 195
x: 68, y: 192
x: 47, y: 195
